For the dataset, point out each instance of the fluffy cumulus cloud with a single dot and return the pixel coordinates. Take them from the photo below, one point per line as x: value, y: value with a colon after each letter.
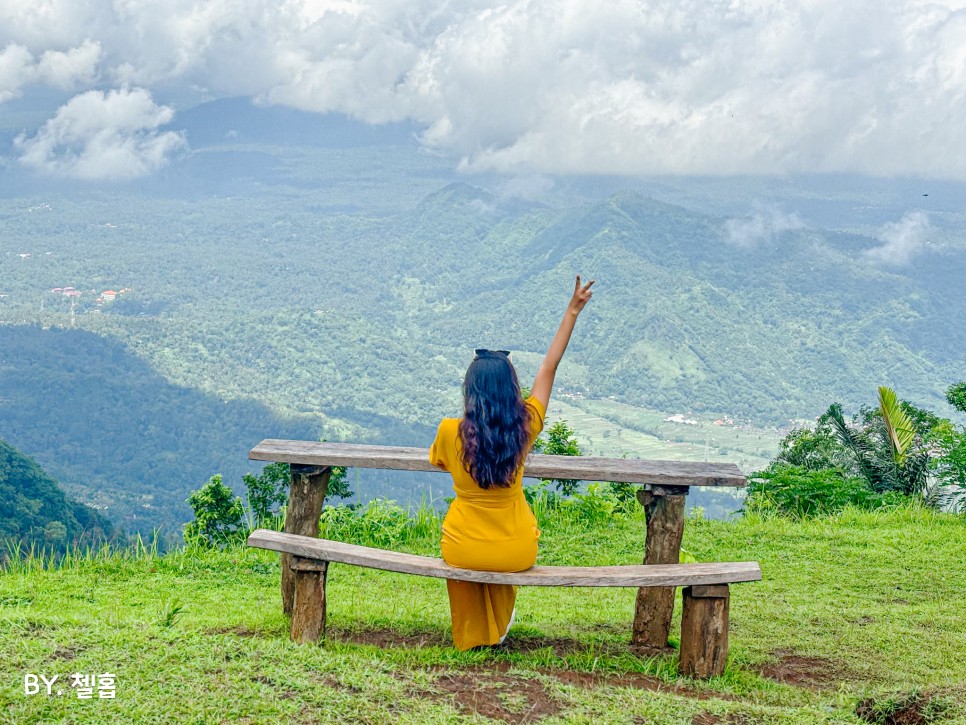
x: 903, y: 241
x: 60, y: 69
x: 560, y: 86
x: 100, y: 135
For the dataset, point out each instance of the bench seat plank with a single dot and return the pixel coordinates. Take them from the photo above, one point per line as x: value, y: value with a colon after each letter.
x: 585, y: 468
x: 653, y: 575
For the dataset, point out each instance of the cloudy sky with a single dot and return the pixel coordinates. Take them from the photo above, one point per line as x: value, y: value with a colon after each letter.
x: 547, y: 86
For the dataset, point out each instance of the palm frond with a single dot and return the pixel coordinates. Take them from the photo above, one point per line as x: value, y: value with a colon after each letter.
x: 863, y: 454
x: 899, y: 426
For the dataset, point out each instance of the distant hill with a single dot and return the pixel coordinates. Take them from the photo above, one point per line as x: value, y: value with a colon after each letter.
x: 36, y: 512
x: 768, y: 327
x: 124, y: 439
x: 118, y: 434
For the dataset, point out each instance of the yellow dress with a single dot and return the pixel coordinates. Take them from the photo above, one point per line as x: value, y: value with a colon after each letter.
x: 487, y: 529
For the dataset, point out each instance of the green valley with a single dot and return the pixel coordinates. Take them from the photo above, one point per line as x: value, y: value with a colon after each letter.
x: 301, y: 290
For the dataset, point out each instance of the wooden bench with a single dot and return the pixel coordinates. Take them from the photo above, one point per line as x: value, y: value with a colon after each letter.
x: 704, y: 633
x: 704, y: 620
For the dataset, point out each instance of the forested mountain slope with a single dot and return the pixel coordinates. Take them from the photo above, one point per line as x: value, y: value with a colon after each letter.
x: 36, y: 512
x: 118, y: 434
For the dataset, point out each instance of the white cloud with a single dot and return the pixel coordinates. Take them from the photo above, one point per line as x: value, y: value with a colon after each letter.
x: 61, y: 69
x: 902, y: 241
x: 762, y: 227
x: 16, y: 69
x: 531, y: 187
x: 65, y: 70
x: 98, y: 135
x: 563, y: 86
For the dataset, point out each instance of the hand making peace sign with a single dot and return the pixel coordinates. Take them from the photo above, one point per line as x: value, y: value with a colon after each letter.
x: 581, y: 296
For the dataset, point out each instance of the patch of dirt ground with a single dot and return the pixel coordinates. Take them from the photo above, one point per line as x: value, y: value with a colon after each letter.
x: 631, y: 680
x: 814, y: 673
x: 706, y: 718
x: 65, y: 654
x: 497, y: 695
x: 387, y: 638
x: 523, y: 644
x: 494, y: 692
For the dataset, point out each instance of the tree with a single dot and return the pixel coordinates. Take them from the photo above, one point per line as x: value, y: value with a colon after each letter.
x: 948, y: 444
x: 885, y: 448
x: 267, y: 492
x: 956, y: 395
x: 218, y: 514
x: 813, y: 450
x: 55, y: 532
x: 560, y: 440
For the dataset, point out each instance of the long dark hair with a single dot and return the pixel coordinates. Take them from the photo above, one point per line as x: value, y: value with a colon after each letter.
x: 495, y: 429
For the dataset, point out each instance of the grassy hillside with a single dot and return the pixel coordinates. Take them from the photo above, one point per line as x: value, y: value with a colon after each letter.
x: 853, y: 621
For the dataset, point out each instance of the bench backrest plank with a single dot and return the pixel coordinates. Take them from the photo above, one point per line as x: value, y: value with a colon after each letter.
x: 585, y: 468
x: 652, y: 575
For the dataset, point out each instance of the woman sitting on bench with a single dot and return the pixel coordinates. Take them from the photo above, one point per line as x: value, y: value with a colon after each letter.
x: 490, y: 526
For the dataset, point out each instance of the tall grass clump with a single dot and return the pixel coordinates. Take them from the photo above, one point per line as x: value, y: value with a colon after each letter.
x: 597, y: 506
x: 18, y: 559
x: 382, y: 524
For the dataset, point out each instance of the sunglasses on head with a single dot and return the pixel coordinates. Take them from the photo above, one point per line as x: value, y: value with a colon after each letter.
x: 483, y: 352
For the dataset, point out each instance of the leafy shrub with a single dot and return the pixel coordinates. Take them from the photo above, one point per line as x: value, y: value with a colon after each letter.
x: 560, y: 441
x: 797, y: 491
x: 218, y: 515
x: 267, y: 492
x: 625, y: 494
x: 596, y: 506
x: 956, y: 396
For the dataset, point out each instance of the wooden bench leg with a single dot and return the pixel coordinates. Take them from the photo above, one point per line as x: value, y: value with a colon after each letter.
x: 664, y: 509
x: 308, y: 612
x: 306, y: 493
x: 704, y: 631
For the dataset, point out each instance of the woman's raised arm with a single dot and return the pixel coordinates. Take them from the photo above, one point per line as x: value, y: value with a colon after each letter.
x: 543, y: 383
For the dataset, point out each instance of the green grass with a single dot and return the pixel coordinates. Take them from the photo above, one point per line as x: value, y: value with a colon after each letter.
x: 858, y: 613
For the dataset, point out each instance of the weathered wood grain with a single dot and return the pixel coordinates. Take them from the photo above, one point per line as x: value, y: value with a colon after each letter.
x: 585, y: 468
x: 664, y: 511
x: 704, y: 633
x: 308, y: 611
x: 307, y: 491
x: 548, y: 576
x: 710, y: 591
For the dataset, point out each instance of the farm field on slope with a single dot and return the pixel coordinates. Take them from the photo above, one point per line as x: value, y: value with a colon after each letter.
x: 611, y: 428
